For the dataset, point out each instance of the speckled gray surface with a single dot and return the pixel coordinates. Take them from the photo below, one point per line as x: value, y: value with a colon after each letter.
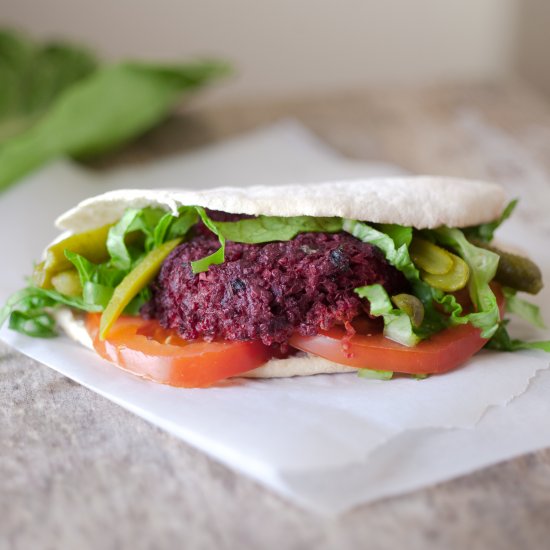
x: 80, y: 472
x: 77, y: 471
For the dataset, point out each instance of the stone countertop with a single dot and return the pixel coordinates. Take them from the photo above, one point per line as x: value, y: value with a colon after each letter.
x: 77, y: 471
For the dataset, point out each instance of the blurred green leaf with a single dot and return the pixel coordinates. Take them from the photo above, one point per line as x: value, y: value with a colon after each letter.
x: 55, y: 101
x: 33, y: 76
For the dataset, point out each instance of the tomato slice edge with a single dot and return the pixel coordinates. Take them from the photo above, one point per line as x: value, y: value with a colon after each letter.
x: 132, y: 346
x: 442, y: 352
x: 196, y: 364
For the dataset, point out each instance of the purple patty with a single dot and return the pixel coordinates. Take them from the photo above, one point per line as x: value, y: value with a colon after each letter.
x: 268, y: 291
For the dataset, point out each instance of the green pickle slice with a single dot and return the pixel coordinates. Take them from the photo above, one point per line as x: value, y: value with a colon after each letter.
x: 411, y: 305
x: 439, y: 267
x: 452, y: 281
x: 430, y: 257
x: 133, y: 283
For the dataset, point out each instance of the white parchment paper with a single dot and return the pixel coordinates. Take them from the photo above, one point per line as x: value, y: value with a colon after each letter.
x: 326, y: 442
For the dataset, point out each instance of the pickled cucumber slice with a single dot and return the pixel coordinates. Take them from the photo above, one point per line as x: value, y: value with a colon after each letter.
x: 412, y: 306
x: 430, y: 257
x: 455, y: 279
x: 133, y: 283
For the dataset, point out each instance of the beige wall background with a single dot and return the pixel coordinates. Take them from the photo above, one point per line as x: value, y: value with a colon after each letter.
x: 282, y: 47
x: 533, y: 43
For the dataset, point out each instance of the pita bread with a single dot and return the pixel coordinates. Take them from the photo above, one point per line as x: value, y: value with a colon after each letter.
x: 423, y: 202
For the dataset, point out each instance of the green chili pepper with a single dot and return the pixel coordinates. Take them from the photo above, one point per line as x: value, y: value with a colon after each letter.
x: 90, y: 244
x: 67, y: 283
x: 133, y: 283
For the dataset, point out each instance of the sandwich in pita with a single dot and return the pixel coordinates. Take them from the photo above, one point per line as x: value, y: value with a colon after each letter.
x: 378, y: 276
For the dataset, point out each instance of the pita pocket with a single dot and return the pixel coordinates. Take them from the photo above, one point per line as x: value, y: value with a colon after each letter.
x: 398, y: 255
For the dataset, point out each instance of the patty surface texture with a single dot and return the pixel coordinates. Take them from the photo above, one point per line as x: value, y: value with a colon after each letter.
x: 268, y: 291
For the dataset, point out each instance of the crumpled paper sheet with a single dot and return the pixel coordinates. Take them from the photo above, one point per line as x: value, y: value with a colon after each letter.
x: 327, y: 442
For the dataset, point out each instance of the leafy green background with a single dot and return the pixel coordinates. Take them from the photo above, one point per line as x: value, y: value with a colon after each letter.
x: 57, y: 99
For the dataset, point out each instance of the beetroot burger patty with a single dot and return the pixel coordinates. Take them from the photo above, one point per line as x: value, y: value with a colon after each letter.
x: 267, y: 291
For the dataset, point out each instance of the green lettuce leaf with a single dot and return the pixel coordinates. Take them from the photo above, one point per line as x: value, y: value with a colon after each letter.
x: 483, y: 265
x: 501, y: 341
x: 394, y: 240
x: 138, y: 302
x: 172, y: 226
x: 181, y: 224
x: 156, y: 227
x: 28, y: 313
x: 485, y: 232
x: 264, y: 229
x: 84, y: 267
x: 144, y: 220
x: 35, y: 323
x: 98, y: 281
x: 28, y: 309
x: 522, y: 308
x: 141, y: 230
x: 215, y: 258
x: 401, y: 235
x: 375, y: 374
x: 397, y: 324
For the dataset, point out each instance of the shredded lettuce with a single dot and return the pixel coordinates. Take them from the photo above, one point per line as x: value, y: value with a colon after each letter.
x: 265, y: 229
x: 27, y: 311
x: 501, y: 341
x: 483, y: 266
x: 144, y: 220
x: 217, y: 257
x: 375, y: 374
x: 397, y: 324
x: 136, y: 233
x: 141, y: 230
x: 485, y: 232
x: 155, y: 227
x: 262, y: 229
x: 522, y: 308
x: 394, y: 240
x: 172, y: 227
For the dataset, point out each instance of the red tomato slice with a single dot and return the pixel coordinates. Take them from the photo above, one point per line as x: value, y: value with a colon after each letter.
x: 146, y: 349
x: 442, y: 352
